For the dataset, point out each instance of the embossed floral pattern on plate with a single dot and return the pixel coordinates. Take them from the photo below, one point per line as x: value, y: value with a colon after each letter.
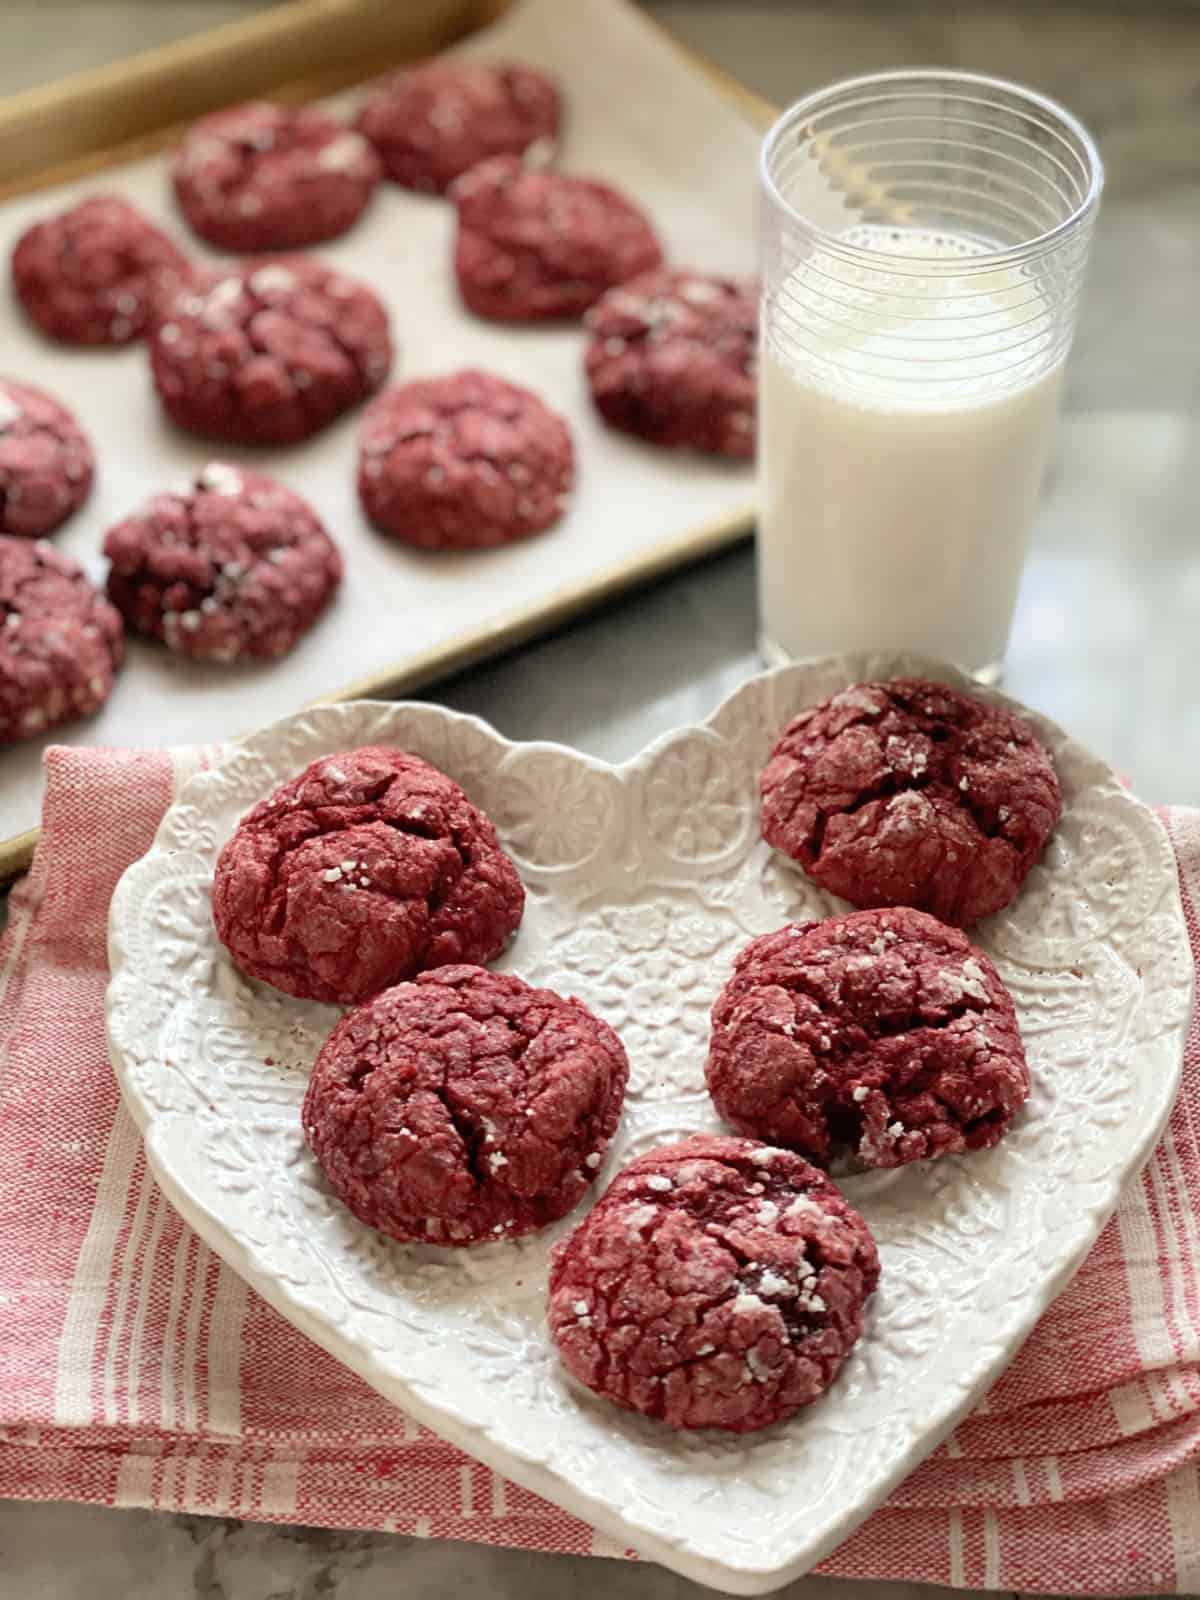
x: 644, y: 880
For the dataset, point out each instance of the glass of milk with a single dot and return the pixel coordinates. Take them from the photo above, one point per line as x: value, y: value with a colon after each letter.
x: 924, y: 241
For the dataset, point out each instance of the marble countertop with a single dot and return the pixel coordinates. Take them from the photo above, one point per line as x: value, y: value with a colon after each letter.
x: 1105, y: 639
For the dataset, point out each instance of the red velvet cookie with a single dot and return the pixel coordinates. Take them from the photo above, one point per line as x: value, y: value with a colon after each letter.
x: 672, y: 360
x: 430, y: 123
x: 536, y: 246
x: 233, y: 567
x: 268, y: 352
x: 884, y: 1033
x: 717, y: 1283
x: 92, y: 274
x: 46, y: 462
x: 368, y: 867
x: 60, y: 641
x: 909, y: 793
x: 463, y: 462
x: 464, y: 1107
x: 260, y: 177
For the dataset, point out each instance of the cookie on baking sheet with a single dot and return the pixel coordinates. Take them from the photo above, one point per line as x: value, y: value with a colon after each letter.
x: 46, y: 462
x: 92, y: 274
x: 538, y: 246
x: 464, y: 1107
x: 717, y: 1283
x: 463, y: 462
x: 260, y: 177
x: 431, y: 122
x: 672, y: 360
x: 884, y: 1034
x: 60, y: 641
x: 911, y: 793
x: 268, y: 352
x: 232, y: 567
x: 363, y: 870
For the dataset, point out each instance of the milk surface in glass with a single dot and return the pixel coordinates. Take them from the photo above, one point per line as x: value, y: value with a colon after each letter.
x: 906, y: 419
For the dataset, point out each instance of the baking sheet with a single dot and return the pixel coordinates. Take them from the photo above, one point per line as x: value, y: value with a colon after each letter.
x: 692, y: 168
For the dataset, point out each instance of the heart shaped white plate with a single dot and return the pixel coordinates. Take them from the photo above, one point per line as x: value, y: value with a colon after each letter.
x: 643, y: 881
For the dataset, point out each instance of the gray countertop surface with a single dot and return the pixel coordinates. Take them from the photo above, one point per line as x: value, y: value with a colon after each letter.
x: 1105, y: 639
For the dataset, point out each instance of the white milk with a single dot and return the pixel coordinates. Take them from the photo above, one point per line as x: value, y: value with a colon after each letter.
x: 902, y: 450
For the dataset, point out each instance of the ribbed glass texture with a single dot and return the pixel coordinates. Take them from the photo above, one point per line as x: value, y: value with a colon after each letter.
x: 950, y: 212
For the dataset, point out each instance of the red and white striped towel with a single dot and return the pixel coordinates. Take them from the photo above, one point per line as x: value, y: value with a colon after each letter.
x: 136, y: 1369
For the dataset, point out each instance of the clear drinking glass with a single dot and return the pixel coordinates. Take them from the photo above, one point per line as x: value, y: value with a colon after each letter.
x: 924, y: 241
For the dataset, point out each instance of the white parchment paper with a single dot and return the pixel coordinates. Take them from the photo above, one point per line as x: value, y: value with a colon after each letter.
x: 639, y: 115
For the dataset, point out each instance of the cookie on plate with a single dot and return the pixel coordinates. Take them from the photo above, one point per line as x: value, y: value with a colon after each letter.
x: 672, y: 360
x: 464, y: 1107
x: 717, y: 1283
x: 268, y: 352
x: 911, y: 793
x: 61, y: 642
x: 92, y: 274
x: 365, y: 869
x: 232, y: 567
x: 46, y: 462
x: 431, y: 122
x: 463, y: 462
x: 881, y: 1034
x: 260, y: 177
x: 538, y: 246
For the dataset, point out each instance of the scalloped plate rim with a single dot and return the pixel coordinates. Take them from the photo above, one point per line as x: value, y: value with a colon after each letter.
x: 741, y: 1577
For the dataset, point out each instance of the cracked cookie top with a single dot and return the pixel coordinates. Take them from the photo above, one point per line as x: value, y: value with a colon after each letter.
x: 61, y: 642
x: 910, y: 793
x: 717, y: 1283
x: 231, y: 567
x: 46, y: 462
x: 540, y: 246
x: 268, y: 352
x: 672, y: 358
x: 464, y: 462
x: 431, y: 123
x: 259, y: 177
x: 883, y: 1034
x: 92, y: 274
x: 465, y: 1106
x: 367, y: 868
